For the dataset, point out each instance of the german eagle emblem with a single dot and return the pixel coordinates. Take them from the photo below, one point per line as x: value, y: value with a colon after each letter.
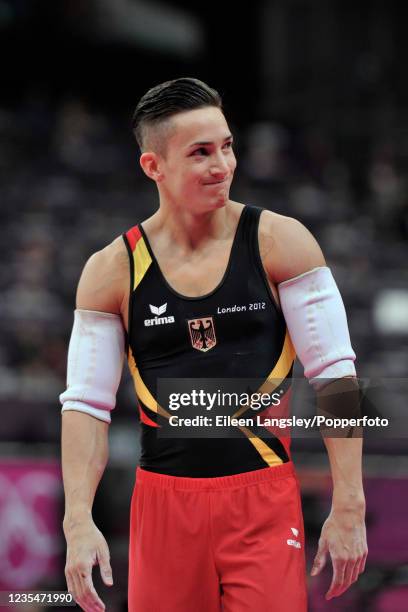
x: 202, y: 333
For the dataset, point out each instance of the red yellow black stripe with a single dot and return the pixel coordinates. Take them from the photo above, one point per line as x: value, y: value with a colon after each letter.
x: 141, y: 256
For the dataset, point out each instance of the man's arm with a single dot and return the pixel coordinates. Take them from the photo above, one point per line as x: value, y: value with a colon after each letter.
x: 84, y: 456
x: 84, y: 440
x: 344, y: 533
x: 290, y: 251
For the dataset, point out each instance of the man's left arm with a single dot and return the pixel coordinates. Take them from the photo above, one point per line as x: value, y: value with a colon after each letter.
x: 343, y: 533
x: 317, y: 323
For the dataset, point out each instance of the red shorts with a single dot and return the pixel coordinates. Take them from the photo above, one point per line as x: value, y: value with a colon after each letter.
x: 231, y: 543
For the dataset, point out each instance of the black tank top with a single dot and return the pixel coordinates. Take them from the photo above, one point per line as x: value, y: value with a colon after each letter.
x: 236, y: 331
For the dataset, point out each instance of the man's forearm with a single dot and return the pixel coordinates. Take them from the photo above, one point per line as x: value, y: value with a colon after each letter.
x: 84, y: 449
x: 345, y: 456
x: 341, y: 398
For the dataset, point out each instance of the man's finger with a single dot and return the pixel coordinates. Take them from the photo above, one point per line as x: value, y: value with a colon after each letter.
x: 91, y: 597
x: 348, y: 577
x: 339, y: 566
x: 105, y: 567
x: 319, y: 560
x: 363, y: 563
x: 356, y: 571
x: 87, y: 597
x: 76, y: 589
x: 70, y: 586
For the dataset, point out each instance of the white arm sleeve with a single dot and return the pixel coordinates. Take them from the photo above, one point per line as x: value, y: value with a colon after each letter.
x: 95, y: 362
x: 317, y: 324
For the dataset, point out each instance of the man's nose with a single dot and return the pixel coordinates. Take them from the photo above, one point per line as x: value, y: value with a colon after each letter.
x: 219, y: 166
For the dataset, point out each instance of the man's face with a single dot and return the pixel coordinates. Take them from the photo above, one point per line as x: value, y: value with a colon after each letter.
x: 199, y: 165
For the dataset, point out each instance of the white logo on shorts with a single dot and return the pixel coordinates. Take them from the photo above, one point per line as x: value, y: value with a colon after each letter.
x: 294, y: 543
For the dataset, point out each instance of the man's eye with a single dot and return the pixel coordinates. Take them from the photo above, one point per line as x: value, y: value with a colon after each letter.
x: 204, y: 151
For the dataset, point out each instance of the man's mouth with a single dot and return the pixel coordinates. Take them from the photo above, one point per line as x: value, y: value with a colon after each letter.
x: 216, y: 182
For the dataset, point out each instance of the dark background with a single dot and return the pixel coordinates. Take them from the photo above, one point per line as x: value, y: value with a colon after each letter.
x: 316, y: 95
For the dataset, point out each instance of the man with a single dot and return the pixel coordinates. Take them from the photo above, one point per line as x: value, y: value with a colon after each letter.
x: 215, y: 523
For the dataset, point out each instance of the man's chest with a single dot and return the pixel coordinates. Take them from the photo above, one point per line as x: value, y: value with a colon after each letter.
x: 195, y: 275
x: 199, y: 273
x: 191, y: 276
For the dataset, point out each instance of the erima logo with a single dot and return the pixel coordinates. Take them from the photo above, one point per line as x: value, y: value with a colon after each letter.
x: 158, y: 320
x: 294, y: 543
x: 158, y: 310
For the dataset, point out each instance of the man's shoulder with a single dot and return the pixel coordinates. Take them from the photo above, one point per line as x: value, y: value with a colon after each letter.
x: 113, y: 255
x: 287, y: 247
x: 104, y: 278
x: 273, y: 223
x: 277, y: 231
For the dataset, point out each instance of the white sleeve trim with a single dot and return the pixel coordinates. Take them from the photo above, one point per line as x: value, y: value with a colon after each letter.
x: 102, y: 415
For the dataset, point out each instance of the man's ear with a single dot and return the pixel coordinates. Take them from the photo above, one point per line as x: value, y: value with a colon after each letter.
x: 149, y: 162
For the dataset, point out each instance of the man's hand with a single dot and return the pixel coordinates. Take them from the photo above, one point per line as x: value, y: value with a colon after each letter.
x: 344, y: 538
x: 86, y: 547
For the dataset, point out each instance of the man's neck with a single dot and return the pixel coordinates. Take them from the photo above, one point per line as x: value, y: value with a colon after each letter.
x: 187, y: 231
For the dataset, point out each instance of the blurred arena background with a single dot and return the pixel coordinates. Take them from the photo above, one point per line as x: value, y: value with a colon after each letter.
x: 316, y: 94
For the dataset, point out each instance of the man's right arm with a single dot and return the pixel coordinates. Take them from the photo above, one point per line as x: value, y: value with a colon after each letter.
x: 84, y: 440
x: 84, y: 456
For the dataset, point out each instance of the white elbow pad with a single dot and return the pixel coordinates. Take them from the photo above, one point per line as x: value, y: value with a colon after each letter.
x: 95, y: 362
x: 317, y: 323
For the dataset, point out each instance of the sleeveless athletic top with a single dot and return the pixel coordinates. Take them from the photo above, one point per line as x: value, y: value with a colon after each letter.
x: 236, y: 333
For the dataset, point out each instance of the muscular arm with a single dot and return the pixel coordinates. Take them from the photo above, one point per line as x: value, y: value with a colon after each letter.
x: 289, y: 251
x: 84, y: 457
x: 84, y: 450
x: 84, y: 443
x: 85, y: 438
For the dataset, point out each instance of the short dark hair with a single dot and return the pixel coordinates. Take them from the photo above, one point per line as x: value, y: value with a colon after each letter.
x: 168, y: 99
